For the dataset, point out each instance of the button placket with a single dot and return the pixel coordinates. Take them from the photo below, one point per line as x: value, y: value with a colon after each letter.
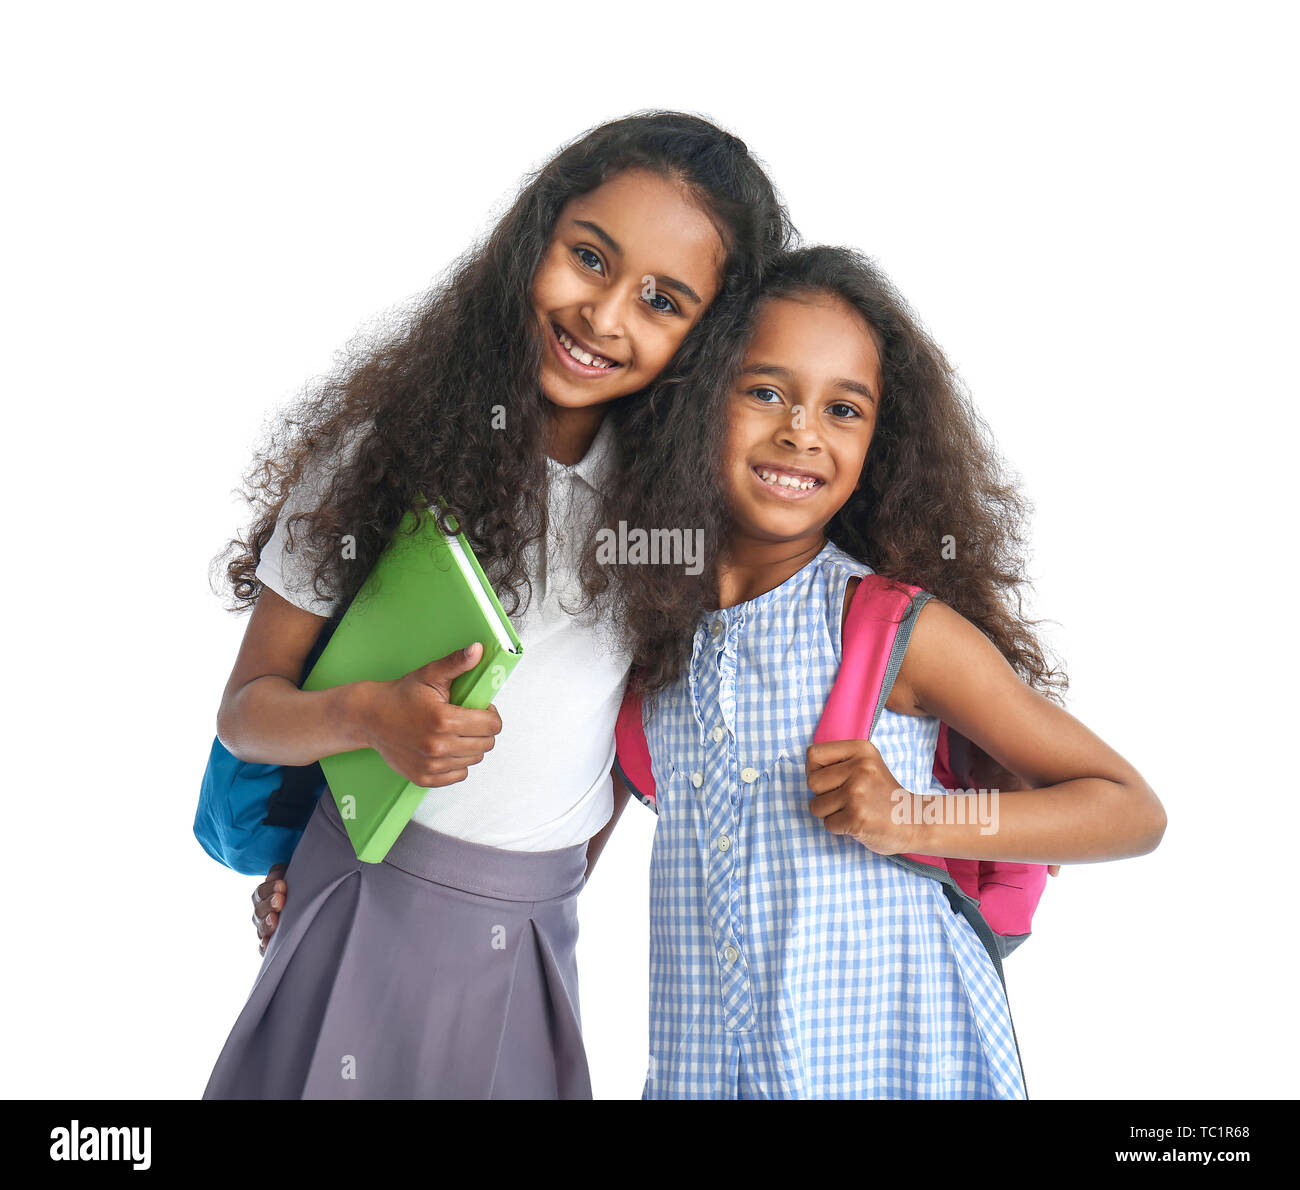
x: 739, y: 1003
x: 710, y: 773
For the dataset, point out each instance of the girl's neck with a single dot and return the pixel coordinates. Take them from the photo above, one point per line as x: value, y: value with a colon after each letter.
x: 570, y: 432
x: 750, y: 568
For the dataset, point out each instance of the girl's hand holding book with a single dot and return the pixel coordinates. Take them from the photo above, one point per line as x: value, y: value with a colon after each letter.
x: 419, y: 732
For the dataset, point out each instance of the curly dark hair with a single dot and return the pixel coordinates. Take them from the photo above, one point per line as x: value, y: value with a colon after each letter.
x: 932, y: 470
x: 409, y: 410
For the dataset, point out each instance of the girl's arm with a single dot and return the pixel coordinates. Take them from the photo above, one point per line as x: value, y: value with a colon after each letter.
x: 596, y: 844
x: 267, y: 719
x: 1084, y: 803
x: 264, y: 717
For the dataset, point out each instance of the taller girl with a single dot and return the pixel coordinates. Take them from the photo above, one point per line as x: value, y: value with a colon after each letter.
x: 550, y: 387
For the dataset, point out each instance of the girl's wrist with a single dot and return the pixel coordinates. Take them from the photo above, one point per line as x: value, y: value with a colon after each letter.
x: 354, y: 714
x: 908, y: 839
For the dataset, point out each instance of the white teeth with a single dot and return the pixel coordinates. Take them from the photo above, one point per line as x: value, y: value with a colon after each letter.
x: 583, y: 357
x: 786, y: 481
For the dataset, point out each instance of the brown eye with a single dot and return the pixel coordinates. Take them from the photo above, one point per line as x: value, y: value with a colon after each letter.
x: 669, y: 308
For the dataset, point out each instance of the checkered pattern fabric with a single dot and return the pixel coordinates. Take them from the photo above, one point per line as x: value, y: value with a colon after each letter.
x: 785, y: 961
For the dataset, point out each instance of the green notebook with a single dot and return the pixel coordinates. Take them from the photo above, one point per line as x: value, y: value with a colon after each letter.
x: 426, y: 597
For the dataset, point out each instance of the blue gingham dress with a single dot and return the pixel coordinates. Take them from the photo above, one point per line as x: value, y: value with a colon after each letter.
x: 786, y: 961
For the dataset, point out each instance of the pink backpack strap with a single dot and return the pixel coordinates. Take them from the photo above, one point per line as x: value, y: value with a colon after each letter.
x: 876, y: 632
x: 879, y: 625
x: 632, y: 753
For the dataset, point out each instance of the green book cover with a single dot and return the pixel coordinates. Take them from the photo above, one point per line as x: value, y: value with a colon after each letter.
x: 426, y: 597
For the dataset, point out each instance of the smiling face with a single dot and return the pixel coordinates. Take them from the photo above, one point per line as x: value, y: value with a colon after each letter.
x: 800, y: 418
x: 630, y: 268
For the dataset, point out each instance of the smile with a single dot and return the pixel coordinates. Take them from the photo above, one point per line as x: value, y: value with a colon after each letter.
x: 789, y: 485
x: 578, y: 359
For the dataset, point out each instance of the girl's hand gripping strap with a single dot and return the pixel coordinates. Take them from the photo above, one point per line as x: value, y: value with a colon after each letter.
x: 876, y: 634
x: 881, y: 617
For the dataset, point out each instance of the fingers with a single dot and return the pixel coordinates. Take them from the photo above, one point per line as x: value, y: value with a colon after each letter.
x: 839, y: 823
x: 441, y: 672
x: 834, y: 751
x: 272, y: 883
x: 823, y: 780
x: 469, y: 722
x: 265, y: 928
x: 268, y: 899
x: 827, y: 804
x: 444, y: 760
x: 469, y: 748
x: 445, y: 719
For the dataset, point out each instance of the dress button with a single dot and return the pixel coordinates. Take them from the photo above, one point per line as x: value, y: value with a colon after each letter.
x: 724, y: 844
x: 716, y: 628
x: 749, y: 776
x: 731, y: 954
x: 697, y: 779
x: 717, y: 733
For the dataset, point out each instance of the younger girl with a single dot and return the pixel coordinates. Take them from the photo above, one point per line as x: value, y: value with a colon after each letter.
x: 789, y: 957
x: 539, y: 392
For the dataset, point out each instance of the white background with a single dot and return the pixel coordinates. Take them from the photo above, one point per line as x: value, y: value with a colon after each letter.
x: 1092, y: 207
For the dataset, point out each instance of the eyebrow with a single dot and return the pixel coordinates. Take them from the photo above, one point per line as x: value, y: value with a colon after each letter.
x: 613, y: 245
x: 851, y: 386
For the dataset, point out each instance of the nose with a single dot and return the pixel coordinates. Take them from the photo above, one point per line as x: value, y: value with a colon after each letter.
x: 797, y: 433
x: 604, y: 315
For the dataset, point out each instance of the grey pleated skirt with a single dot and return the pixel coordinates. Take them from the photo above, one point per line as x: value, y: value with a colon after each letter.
x: 448, y: 971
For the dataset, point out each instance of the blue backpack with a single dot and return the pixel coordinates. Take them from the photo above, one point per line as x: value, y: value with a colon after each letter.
x: 251, y: 816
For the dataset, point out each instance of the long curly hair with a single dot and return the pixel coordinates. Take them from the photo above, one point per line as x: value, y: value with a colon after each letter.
x: 412, y: 410
x: 937, y: 507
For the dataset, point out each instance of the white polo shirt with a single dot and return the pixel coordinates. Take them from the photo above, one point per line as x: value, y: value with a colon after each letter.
x: 546, y: 783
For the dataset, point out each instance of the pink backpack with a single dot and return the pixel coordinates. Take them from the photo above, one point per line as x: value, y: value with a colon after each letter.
x: 997, y: 898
